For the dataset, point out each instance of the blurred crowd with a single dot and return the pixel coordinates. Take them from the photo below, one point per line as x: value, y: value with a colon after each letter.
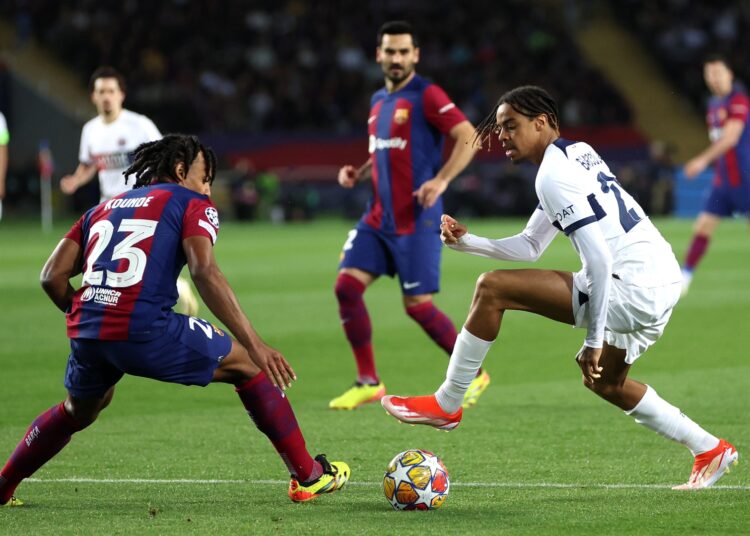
x: 233, y: 65
x: 682, y: 32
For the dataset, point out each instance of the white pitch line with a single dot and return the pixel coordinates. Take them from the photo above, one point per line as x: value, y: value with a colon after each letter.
x: 500, y: 485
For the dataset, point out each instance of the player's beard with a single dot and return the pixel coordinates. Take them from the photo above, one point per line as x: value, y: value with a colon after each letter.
x: 397, y: 79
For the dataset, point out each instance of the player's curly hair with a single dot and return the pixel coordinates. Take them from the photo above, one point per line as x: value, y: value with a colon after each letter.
x: 530, y: 101
x: 155, y: 161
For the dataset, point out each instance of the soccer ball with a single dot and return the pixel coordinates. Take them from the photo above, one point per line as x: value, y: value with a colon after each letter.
x: 187, y: 303
x: 416, y: 480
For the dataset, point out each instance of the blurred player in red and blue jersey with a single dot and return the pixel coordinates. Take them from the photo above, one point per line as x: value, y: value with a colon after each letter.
x: 130, y: 250
x: 728, y: 111
x: 400, y: 231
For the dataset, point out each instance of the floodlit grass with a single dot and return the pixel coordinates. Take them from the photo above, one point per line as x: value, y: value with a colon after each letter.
x: 538, y: 455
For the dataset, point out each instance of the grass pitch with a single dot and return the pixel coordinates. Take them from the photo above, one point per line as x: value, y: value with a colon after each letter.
x: 538, y: 455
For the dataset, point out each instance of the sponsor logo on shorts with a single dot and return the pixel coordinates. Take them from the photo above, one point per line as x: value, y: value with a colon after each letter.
x: 411, y: 285
x: 101, y: 296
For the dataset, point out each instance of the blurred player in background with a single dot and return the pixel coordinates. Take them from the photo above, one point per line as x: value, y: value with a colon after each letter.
x: 120, y: 321
x: 623, y: 295
x: 4, y: 139
x: 107, y: 143
x: 728, y: 111
x: 399, y: 233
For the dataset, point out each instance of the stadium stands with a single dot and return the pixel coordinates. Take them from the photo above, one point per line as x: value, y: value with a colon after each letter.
x: 221, y: 66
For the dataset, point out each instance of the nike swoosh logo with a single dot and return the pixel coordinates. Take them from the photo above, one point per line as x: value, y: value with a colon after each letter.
x: 409, y: 286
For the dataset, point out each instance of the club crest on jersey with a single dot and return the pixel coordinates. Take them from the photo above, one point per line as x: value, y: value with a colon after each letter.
x: 722, y: 113
x: 213, y: 216
x: 401, y: 115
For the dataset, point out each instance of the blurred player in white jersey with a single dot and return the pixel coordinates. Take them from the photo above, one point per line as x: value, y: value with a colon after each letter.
x: 4, y: 139
x: 623, y: 296
x: 107, y: 144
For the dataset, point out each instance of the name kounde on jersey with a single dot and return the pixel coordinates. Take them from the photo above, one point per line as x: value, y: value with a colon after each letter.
x: 132, y: 255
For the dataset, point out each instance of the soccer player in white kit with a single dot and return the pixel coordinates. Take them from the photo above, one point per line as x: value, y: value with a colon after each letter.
x: 109, y: 139
x: 107, y: 143
x: 623, y: 296
x: 4, y: 139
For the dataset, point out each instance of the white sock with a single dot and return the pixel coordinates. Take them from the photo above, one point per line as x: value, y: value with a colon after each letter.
x: 466, y: 359
x: 663, y: 418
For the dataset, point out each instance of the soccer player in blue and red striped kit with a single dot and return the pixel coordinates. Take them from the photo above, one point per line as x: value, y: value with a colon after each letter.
x: 729, y: 151
x: 130, y: 250
x: 399, y: 233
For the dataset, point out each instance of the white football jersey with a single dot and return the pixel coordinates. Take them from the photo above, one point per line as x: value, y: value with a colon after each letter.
x: 109, y: 146
x: 576, y: 188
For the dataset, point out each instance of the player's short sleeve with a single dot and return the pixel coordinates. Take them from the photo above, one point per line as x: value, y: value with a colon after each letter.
x: 567, y: 205
x: 4, y: 133
x: 150, y: 131
x: 739, y: 107
x: 76, y: 232
x: 200, y: 219
x: 84, y: 151
x: 439, y: 110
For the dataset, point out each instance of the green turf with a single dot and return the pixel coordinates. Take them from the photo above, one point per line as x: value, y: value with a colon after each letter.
x: 536, y: 424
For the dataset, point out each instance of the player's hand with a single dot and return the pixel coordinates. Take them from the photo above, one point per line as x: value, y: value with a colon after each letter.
x: 695, y: 167
x: 451, y: 230
x: 428, y: 194
x: 275, y: 365
x: 588, y: 360
x: 69, y: 184
x: 348, y: 176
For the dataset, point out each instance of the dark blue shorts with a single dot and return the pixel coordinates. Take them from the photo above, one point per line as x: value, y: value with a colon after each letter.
x: 726, y: 201
x: 414, y: 257
x: 187, y: 352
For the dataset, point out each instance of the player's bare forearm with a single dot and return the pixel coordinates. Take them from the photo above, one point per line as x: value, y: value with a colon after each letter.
x: 729, y: 138
x: 216, y: 293
x: 463, y: 152
x: 82, y: 175
x: 61, y: 266
x: 365, y: 170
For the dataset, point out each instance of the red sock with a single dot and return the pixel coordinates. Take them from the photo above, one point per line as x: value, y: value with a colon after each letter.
x: 271, y: 412
x: 357, y: 326
x: 698, y: 248
x: 46, y: 436
x: 435, y: 323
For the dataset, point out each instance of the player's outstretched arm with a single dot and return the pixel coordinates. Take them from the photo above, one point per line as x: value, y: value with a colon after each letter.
x: 221, y: 300
x: 82, y: 175
x: 730, y: 136
x: 63, y: 264
x: 462, y: 153
x: 527, y: 246
x: 349, y: 176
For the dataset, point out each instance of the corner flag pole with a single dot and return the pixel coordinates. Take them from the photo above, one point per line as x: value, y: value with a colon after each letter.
x: 46, y: 168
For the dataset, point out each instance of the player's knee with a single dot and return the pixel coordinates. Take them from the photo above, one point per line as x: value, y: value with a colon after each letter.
x: 490, y: 285
x: 348, y: 290
x: 236, y: 368
x: 83, y: 413
x: 607, y: 390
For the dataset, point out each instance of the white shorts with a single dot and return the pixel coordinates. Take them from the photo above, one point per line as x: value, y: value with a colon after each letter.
x: 636, y: 316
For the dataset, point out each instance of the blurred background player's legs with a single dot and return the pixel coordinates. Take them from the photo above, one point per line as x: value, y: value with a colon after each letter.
x: 355, y: 319
x: 718, y: 205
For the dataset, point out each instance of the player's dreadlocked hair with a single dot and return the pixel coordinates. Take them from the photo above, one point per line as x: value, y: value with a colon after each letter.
x: 155, y: 161
x: 531, y: 101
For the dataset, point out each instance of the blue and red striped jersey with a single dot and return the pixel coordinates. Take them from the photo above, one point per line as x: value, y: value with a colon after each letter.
x: 406, y: 131
x: 733, y: 168
x: 132, y: 256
